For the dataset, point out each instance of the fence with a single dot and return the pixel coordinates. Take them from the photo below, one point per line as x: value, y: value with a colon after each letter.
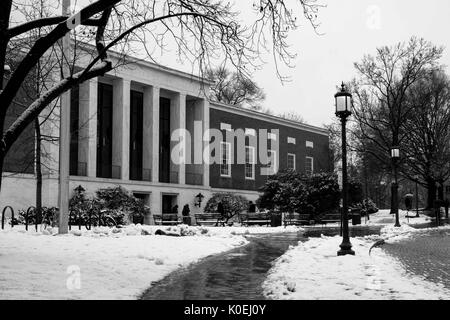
x: 48, y: 216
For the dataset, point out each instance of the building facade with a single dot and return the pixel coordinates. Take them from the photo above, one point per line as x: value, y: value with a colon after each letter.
x: 122, y: 133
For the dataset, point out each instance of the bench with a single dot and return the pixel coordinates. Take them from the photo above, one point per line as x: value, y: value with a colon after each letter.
x: 295, y: 219
x: 330, y: 218
x: 256, y: 218
x: 209, y: 219
x: 167, y: 219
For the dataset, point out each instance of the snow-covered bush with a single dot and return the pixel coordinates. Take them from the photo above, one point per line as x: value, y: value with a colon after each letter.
x: 291, y: 191
x: 367, y: 206
x: 233, y: 204
x: 117, y: 202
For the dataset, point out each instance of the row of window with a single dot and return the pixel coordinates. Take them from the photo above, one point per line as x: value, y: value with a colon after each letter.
x: 250, y: 161
x: 270, y: 135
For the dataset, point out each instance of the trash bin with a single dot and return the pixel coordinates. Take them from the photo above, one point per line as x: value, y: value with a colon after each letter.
x: 356, y: 217
x: 275, y: 220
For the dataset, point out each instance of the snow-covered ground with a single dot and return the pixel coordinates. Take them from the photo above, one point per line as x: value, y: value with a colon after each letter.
x: 383, y: 217
x: 312, y: 270
x: 101, y: 264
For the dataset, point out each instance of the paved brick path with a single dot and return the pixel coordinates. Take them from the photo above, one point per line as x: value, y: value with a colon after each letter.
x: 426, y: 255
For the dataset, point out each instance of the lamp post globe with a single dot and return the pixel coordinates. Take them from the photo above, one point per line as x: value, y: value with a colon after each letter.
x: 343, y: 110
x: 343, y: 102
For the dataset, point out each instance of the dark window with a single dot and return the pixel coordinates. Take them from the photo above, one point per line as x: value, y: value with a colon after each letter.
x: 164, y: 140
x: 104, y: 130
x: 136, y: 134
x: 169, y: 203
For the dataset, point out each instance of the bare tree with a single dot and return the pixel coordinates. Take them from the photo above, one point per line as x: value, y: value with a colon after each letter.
x: 235, y: 89
x: 292, y: 115
x: 380, y: 93
x: 38, y: 81
x: 427, y: 146
x: 199, y: 30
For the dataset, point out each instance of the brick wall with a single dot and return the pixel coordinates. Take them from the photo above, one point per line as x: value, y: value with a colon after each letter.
x: 319, y: 152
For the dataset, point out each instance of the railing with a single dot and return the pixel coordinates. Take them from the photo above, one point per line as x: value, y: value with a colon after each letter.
x: 27, y: 216
x: 3, y: 216
x: 48, y: 216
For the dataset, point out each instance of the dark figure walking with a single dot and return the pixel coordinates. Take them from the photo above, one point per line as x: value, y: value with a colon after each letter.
x: 186, y: 218
x: 223, y: 216
x: 251, y: 207
x: 408, y: 204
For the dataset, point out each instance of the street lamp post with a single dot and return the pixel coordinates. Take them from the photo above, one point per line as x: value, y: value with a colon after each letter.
x: 395, y: 156
x: 343, y: 111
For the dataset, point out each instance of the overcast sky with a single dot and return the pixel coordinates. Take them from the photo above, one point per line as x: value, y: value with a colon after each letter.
x: 351, y: 29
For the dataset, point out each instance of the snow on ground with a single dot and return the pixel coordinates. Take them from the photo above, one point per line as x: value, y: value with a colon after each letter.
x: 384, y: 217
x: 100, y: 264
x: 110, y: 263
x: 312, y: 270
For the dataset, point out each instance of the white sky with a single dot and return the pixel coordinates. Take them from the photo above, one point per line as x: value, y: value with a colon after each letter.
x: 351, y: 29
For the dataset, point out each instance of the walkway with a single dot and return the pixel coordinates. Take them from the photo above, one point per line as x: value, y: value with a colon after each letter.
x: 426, y: 255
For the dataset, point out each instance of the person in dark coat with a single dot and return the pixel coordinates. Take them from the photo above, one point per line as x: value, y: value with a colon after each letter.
x: 186, y: 211
x: 251, y: 207
x: 221, y: 210
x: 408, y: 203
x: 175, y: 209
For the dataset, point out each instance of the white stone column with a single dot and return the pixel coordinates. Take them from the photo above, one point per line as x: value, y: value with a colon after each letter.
x: 178, y: 121
x: 205, y: 118
x: 155, y: 202
x: 87, y: 149
x: 151, y: 132
x: 121, y: 127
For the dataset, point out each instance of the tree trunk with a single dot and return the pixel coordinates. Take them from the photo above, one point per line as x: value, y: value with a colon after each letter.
x: 38, y: 169
x: 440, y: 191
x: 431, y: 193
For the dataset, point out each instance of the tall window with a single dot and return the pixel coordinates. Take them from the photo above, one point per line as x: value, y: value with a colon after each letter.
x: 104, y: 130
x: 225, y: 159
x: 309, y: 166
x: 249, y: 163
x: 291, y: 161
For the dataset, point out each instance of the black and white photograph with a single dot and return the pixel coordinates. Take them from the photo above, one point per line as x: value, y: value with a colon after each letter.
x: 202, y: 151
